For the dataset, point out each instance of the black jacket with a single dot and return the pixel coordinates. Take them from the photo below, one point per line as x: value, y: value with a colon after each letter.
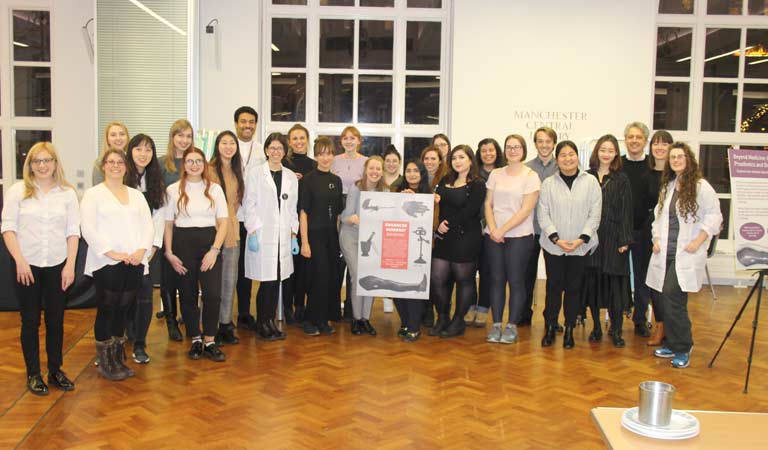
x: 615, y: 224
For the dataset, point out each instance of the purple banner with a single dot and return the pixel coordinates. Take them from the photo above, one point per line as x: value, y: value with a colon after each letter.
x: 748, y: 163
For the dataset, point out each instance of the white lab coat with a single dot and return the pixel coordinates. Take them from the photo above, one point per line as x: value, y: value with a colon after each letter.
x: 273, y: 225
x: 689, y: 267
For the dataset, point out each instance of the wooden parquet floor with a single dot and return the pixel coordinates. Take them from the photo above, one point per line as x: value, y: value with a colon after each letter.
x: 362, y: 392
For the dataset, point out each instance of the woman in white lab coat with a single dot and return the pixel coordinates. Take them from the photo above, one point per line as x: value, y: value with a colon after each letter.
x: 681, y: 235
x: 271, y: 195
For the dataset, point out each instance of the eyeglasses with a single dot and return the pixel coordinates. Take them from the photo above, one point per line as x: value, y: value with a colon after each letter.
x: 441, y: 145
x: 41, y: 161
x: 194, y: 162
x: 115, y: 163
x: 675, y: 157
x: 513, y: 147
x: 275, y: 149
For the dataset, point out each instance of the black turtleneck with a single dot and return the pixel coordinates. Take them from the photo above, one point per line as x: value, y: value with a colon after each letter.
x: 569, y: 178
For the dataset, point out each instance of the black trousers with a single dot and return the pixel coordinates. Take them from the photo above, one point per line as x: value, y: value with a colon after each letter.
x: 323, y: 304
x: 677, y: 323
x: 299, y: 284
x: 169, y: 287
x: 658, y: 307
x: 565, y: 274
x: 140, y: 313
x: 268, y: 296
x: 531, y: 269
x: 44, y: 294
x: 244, y: 285
x: 505, y: 261
x: 410, y: 311
x: 116, y: 287
x: 190, y: 245
x: 640, y: 251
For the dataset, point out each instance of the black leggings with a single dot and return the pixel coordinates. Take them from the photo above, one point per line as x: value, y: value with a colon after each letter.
x: 244, y: 285
x: 507, y: 262
x: 564, y: 274
x: 410, y: 311
x: 267, y: 297
x: 46, y: 290
x: 190, y: 245
x: 140, y: 313
x: 463, y: 274
x: 169, y: 287
x: 298, y: 282
x: 323, y: 302
x: 116, y: 287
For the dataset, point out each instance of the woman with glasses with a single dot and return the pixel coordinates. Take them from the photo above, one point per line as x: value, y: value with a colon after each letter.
x: 195, y: 229
x: 41, y: 228
x: 443, y: 144
x: 117, y: 225
x: 272, y: 223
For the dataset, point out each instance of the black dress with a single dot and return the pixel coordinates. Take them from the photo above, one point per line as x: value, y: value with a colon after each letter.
x: 461, y: 207
x: 607, y: 278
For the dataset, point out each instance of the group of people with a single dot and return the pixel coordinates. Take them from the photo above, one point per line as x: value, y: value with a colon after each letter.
x: 272, y: 214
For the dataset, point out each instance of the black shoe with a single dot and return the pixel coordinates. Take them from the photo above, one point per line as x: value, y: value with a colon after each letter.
x: 248, y: 322
x: 402, y: 332
x: 310, y: 329
x: 568, y: 337
x: 596, y: 335
x: 279, y: 335
x: 454, y: 329
x: 227, y: 334
x: 36, y: 385
x: 263, y: 332
x: 357, y: 328
x: 559, y: 328
x: 288, y: 317
x: 617, y: 339
x: 412, y: 336
x: 213, y: 352
x: 59, y: 379
x: 440, y: 325
x: 174, y: 333
x: 140, y: 355
x: 367, y: 327
x: 428, y: 318
x: 326, y: 328
x: 549, y: 336
x: 642, y: 331
x: 196, y: 351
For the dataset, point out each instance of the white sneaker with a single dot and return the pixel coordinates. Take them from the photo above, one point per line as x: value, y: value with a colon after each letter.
x: 389, y: 305
x: 509, y: 336
x: 494, y: 336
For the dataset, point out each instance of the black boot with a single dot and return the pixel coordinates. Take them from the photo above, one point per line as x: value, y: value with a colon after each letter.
x: 597, y: 333
x: 568, y: 337
x: 174, y: 333
x: 357, y: 328
x: 289, y: 318
x: 264, y: 332
x: 440, y: 325
x: 279, y: 335
x: 455, y: 328
x: 226, y: 335
x: 618, y: 341
x: 549, y: 336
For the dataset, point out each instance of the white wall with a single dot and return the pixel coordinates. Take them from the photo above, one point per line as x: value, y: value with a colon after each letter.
x: 593, y: 58
x: 236, y: 81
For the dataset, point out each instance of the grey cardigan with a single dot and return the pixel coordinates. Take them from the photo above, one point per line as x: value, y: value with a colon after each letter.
x: 569, y: 212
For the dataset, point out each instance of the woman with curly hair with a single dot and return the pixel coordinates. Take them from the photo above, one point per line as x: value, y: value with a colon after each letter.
x: 686, y: 218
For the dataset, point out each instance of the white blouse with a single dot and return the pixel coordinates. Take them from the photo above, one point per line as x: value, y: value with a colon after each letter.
x: 108, y: 225
x: 42, y: 223
x: 199, y: 212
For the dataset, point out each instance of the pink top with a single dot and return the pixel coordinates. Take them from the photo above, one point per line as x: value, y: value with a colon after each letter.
x: 349, y: 170
x: 508, y: 191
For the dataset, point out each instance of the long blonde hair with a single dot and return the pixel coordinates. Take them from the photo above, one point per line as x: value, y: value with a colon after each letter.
x: 170, y: 154
x: 105, y: 141
x: 29, y: 176
x: 362, y: 183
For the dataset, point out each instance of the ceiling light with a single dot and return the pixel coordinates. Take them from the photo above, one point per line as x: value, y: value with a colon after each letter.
x: 158, y: 17
x: 20, y: 44
x: 274, y: 48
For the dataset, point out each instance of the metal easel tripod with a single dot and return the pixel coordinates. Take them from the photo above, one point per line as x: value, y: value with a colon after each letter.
x: 758, y: 286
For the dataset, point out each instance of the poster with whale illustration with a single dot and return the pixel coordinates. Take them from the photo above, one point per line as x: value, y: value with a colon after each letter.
x: 749, y: 188
x: 394, y: 253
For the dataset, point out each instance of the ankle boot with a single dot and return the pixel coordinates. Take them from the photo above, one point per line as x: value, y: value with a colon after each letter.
x: 455, y: 328
x: 658, y: 335
x: 618, y: 341
x: 440, y: 325
x: 549, y: 336
x: 106, y: 366
x: 118, y: 356
x: 568, y: 337
x: 275, y: 331
x: 263, y: 332
x: 597, y: 333
x: 174, y: 333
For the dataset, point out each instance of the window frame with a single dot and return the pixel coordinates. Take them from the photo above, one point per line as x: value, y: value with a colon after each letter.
x: 400, y: 14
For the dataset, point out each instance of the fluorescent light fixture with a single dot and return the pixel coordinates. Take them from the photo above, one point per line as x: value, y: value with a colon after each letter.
x: 683, y: 59
x: 157, y: 16
x: 758, y: 62
x: 274, y: 48
x: 276, y: 74
x: 20, y: 44
x: 734, y: 52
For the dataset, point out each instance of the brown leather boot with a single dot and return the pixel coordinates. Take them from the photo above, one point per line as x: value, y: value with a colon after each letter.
x: 658, y: 335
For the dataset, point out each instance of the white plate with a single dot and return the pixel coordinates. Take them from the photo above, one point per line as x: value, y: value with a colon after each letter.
x: 681, y: 425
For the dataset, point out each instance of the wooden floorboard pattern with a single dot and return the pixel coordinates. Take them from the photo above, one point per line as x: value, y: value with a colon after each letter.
x: 348, y: 391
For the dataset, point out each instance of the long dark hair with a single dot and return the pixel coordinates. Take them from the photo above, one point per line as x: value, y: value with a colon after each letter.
x: 424, y: 187
x: 452, y: 175
x: 498, y: 162
x: 153, y: 178
x: 237, y: 165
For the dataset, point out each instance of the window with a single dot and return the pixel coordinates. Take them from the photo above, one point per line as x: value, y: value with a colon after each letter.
x: 711, y: 82
x: 379, y: 65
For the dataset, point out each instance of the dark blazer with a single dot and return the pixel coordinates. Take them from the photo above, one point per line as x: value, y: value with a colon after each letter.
x: 616, y: 223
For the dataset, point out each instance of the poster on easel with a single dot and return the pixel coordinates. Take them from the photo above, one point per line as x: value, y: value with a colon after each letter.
x: 749, y: 189
x: 395, y: 245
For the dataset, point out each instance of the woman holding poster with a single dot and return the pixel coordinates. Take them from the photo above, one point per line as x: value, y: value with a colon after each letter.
x: 458, y: 240
x: 686, y: 218
x: 372, y: 180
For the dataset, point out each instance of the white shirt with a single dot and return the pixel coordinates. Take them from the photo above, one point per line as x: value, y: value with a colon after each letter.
x: 42, y: 223
x: 199, y: 211
x: 252, y: 154
x: 108, y: 225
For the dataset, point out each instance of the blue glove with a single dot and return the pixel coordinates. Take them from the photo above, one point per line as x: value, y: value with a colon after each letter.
x: 294, y: 245
x: 253, y: 242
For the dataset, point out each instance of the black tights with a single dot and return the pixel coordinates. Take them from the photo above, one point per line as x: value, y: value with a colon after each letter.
x: 463, y: 274
x: 116, y: 287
